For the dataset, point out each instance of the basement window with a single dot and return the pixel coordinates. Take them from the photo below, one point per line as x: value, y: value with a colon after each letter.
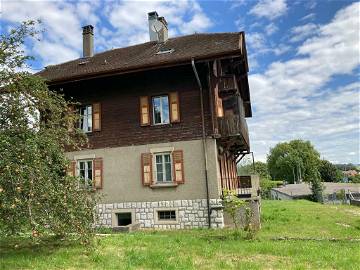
x: 123, y: 219
x: 169, y: 215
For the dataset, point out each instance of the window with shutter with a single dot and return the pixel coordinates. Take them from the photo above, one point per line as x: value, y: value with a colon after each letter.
x: 144, y: 111
x: 174, y: 107
x: 86, y: 119
x: 96, y: 117
x: 85, y: 173
x: 146, y: 165
x: 178, y: 163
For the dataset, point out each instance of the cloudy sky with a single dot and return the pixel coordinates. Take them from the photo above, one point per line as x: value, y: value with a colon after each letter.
x: 303, y: 56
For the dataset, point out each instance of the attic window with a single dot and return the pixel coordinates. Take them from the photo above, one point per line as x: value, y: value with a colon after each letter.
x: 165, y: 50
x: 83, y: 62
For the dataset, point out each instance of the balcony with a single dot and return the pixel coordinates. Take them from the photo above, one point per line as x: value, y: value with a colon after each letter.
x: 233, y: 129
x: 245, y: 186
x: 227, y: 86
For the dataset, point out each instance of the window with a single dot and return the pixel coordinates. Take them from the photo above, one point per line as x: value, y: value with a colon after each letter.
x: 85, y: 121
x: 85, y: 171
x: 167, y: 215
x: 163, y: 167
x: 160, y: 106
x: 123, y: 219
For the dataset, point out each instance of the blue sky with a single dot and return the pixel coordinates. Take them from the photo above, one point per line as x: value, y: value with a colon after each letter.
x: 303, y: 56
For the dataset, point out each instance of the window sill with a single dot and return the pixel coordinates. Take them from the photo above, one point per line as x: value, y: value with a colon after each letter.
x: 166, y: 185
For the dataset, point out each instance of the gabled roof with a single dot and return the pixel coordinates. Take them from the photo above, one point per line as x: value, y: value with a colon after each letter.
x: 148, y: 55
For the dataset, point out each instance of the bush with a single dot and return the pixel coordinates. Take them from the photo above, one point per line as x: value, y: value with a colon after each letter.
x: 266, y: 185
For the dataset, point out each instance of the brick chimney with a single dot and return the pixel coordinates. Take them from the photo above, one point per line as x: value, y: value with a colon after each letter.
x: 158, y: 27
x: 88, y: 41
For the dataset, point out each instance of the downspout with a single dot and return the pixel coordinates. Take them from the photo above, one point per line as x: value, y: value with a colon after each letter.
x: 203, y: 140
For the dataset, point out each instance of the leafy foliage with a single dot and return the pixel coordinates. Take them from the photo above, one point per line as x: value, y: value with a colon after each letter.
x: 296, y: 161
x: 329, y: 172
x: 35, y: 191
x: 355, y: 179
x: 233, y: 206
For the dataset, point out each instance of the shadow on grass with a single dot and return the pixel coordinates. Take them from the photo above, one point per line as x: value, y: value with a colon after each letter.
x: 25, y: 246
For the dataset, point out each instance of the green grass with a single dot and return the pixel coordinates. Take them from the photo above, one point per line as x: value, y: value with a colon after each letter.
x: 211, y: 249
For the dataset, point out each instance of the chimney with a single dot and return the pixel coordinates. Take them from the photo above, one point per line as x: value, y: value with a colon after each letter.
x: 158, y: 27
x: 88, y: 41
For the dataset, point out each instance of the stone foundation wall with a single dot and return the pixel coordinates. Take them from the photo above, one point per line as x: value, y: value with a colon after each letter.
x: 189, y: 214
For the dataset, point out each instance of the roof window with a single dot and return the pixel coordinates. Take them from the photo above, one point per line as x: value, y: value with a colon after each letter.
x: 165, y: 50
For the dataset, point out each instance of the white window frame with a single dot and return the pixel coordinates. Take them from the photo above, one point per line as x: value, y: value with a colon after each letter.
x: 86, y: 178
x: 86, y: 118
x: 163, y: 122
x: 164, y: 181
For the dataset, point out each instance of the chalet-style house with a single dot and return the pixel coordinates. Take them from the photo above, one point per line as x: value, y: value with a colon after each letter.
x: 166, y: 123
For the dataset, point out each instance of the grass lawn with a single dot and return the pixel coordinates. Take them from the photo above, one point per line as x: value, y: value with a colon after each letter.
x: 211, y: 249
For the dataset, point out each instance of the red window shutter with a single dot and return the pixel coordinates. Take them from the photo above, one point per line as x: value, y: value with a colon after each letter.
x: 71, y: 168
x: 98, y: 173
x: 174, y: 107
x: 178, y: 166
x: 146, y: 168
x: 144, y: 111
x: 96, y: 117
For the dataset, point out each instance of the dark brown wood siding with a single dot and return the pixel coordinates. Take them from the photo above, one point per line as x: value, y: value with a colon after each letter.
x: 119, y: 98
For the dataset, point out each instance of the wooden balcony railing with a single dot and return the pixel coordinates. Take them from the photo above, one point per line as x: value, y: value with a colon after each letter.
x: 227, y: 85
x: 234, y: 125
x: 246, y: 186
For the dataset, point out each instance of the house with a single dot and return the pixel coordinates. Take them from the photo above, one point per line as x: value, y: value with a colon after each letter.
x: 166, y: 123
x: 302, y: 191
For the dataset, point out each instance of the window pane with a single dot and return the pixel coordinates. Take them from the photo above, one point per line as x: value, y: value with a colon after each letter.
x: 159, y: 159
x: 157, y: 111
x: 168, y: 171
x: 89, y: 118
x: 165, y: 109
x: 167, y: 158
x: 159, y: 176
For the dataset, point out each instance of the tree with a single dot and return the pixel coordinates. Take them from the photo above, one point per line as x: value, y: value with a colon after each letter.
x: 296, y: 161
x: 35, y: 191
x: 329, y: 172
x: 259, y: 168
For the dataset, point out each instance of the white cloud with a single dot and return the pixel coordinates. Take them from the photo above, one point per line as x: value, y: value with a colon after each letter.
x: 294, y: 99
x: 303, y: 31
x: 129, y: 19
x: 258, y: 45
x: 271, y: 29
x: 62, y: 22
x: 270, y: 9
x: 122, y: 23
x: 309, y: 17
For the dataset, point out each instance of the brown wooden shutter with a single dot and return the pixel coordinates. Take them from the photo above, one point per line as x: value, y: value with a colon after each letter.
x: 96, y: 117
x: 178, y: 166
x: 174, y: 107
x: 144, y: 111
x: 98, y: 173
x: 218, y: 103
x: 71, y: 168
x: 146, y: 168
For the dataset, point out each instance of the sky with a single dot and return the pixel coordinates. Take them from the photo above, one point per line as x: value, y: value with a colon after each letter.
x: 303, y: 56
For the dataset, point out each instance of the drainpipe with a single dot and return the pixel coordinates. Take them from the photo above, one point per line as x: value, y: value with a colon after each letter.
x: 203, y: 140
